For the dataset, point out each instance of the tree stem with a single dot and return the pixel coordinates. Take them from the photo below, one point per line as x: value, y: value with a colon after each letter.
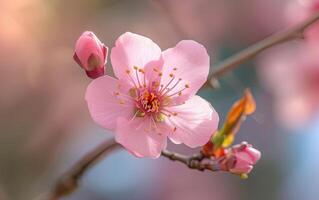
x: 234, y: 61
x: 70, y: 180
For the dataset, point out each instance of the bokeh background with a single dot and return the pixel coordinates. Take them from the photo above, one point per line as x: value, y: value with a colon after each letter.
x: 46, y: 127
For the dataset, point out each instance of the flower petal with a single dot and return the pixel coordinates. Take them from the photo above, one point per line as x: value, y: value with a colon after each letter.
x: 138, y: 138
x: 104, y: 106
x: 134, y: 50
x: 195, y: 122
x: 189, y: 61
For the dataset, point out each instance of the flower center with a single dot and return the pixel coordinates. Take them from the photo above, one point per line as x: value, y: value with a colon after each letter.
x: 150, y: 97
x: 148, y: 102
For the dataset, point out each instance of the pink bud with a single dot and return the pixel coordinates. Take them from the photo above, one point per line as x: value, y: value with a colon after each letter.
x: 241, y: 159
x: 90, y: 53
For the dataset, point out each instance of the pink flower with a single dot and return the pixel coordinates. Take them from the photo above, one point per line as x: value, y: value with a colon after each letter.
x: 153, y: 96
x: 290, y: 73
x: 241, y: 159
x: 299, y: 10
x: 90, y: 53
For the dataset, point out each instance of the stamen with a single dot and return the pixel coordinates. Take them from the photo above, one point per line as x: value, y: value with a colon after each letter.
x: 160, y: 117
x: 137, y: 77
x: 166, y: 101
x: 170, y: 89
x: 144, y: 79
x: 167, y: 115
x: 164, y: 88
x: 161, y: 87
x: 170, y: 112
x: 179, y: 93
x: 140, y: 113
x: 134, y: 116
x: 154, y: 123
x: 148, y: 102
x: 122, y: 96
x: 133, y: 92
x: 131, y: 78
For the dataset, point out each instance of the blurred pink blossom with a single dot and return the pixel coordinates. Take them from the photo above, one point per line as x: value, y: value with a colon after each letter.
x: 90, y: 53
x: 298, y: 11
x: 154, y: 96
x: 290, y: 73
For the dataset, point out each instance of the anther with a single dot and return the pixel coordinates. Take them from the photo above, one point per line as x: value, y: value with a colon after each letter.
x: 135, y: 67
x: 156, y: 84
x: 128, y: 71
x: 174, y: 68
x: 160, y: 74
x: 186, y: 85
x: 171, y: 75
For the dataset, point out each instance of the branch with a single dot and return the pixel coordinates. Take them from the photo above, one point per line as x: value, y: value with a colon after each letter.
x: 198, y: 162
x: 234, y: 61
x: 69, y: 181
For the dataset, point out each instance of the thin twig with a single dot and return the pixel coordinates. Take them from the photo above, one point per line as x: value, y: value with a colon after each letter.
x: 234, y: 61
x: 198, y: 162
x: 69, y: 181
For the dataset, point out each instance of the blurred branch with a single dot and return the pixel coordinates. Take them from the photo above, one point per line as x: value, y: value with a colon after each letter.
x: 70, y: 180
x: 197, y: 161
x: 234, y: 61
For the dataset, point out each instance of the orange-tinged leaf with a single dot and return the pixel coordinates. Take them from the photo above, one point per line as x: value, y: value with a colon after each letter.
x: 235, y: 112
x: 225, y: 136
x: 250, y: 104
x: 244, y: 106
x: 241, y: 108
